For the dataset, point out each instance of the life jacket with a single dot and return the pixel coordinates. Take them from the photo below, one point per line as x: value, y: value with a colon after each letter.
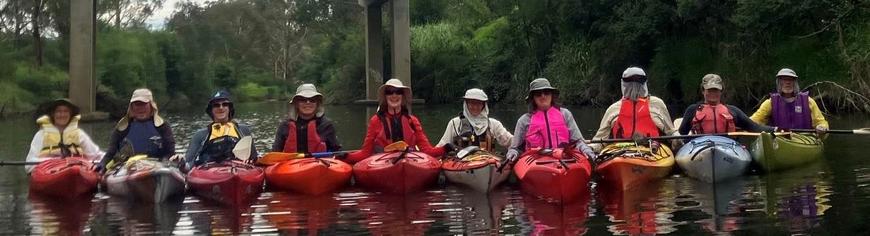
x: 385, y: 137
x: 220, y: 143
x: 547, y: 129
x: 55, y: 144
x: 466, y: 135
x: 144, y: 138
x: 315, y: 144
x: 634, y: 117
x: 791, y: 115
x: 711, y: 119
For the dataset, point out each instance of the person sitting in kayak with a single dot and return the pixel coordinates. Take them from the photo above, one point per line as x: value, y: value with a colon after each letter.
x: 788, y: 108
x: 474, y: 127
x: 637, y: 114
x: 215, y: 142
x: 547, y: 124
x: 393, y: 122
x: 59, y: 135
x: 712, y: 116
x: 306, y: 129
x: 141, y: 128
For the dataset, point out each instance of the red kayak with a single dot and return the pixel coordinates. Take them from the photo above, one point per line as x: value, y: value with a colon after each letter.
x: 397, y: 172
x: 312, y: 176
x: 67, y: 177
x: 554, y: 175
x: 229, y: 182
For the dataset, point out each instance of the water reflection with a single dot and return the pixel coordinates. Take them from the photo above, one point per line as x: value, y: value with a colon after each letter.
x: 549, y: 218
x: 638, y: 210
x: 388, y: 214
x: 59, y: 216
x: 127, y: 216
x: 475, y: 212
x: 298, y: 214
x: 798, y: 197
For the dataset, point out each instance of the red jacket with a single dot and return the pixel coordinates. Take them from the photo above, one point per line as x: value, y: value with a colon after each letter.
x: 377, y: 137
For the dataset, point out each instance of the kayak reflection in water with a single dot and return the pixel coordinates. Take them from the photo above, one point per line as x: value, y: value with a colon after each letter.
x: 215, y: 143
x: 59, y: 135
x: 394, y: 122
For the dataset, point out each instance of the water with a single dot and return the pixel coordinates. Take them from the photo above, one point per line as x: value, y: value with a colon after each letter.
x: 828, y: 197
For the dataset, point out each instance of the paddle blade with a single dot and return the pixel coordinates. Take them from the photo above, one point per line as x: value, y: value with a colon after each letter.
x: 467, y: 150
x: 397, y: 146
x: 272, y: 158
x: 243, y: 148
x: 862, y: 131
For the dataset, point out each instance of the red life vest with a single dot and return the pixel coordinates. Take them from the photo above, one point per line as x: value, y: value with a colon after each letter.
x: 712, y: 119
x: 408, y: 133
x: 315, y: 144
x: 634, y: 117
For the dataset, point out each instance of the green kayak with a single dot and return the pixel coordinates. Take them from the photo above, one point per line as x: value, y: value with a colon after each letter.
x: 781, y: 153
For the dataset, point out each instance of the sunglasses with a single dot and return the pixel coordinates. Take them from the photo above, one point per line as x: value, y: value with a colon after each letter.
x: 393, y: 91
x: 640, y: 79
x: 541, y: 93
x: 306, y: 100
x: 223, y: 104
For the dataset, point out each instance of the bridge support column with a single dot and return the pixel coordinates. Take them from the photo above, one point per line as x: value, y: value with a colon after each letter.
x: 82, y: 85
x: 400, y: 57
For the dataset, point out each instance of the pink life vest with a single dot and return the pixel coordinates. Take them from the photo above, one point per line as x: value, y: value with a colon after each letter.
x: 547, y: 129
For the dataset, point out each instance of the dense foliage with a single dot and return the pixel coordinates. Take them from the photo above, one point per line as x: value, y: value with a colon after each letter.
x: 262, y: 49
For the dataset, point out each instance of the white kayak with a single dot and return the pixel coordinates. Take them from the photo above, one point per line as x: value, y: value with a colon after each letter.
x: 713, y: 158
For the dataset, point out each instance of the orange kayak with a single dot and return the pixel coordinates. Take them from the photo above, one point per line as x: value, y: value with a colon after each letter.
x: 66, y: 177
x: 312, y: 176
x: 626, y: 165
x: 397, y: 172
x: 556, y: 176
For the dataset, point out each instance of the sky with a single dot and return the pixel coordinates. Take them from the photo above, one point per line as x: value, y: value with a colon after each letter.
x: 158, y: 20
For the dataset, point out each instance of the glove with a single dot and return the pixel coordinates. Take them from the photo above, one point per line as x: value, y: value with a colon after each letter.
x: 449, y: 147
x: 821, y: 129
x: 512, y: 156
x: 99, y: 168
x: 341, y: 155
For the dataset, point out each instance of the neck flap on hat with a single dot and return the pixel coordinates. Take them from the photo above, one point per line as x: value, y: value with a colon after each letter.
x: 479, y: 122
x: 634, y: 90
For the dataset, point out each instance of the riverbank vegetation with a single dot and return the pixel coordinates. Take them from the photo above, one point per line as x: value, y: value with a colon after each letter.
x: 262, y: 49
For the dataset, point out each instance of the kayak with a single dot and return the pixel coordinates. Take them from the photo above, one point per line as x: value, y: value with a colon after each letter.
x: 554, y: 174
x: 66, y: 177
x: 230, y: 182
x: 312, y: 176
x: 713, y: 158
x: 397, y: 172
x: 145, y: 179
x: 781, y: 153
x: 626, y: 165
x: 478, y: 171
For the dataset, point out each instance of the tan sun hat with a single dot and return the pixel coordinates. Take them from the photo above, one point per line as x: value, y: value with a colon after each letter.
x: 140, y: 95
x: 307, y: 91
x: 711, y: 81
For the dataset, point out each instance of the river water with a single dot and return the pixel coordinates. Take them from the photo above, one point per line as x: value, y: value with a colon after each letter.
x: 831, y: 196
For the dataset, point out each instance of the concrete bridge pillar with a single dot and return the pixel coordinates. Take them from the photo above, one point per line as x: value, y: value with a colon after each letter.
x: 82, y: 84
x: 400, y: 55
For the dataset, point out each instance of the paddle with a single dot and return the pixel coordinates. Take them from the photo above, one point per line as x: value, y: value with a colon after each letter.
x: 19, y: 163
x: 619, y: 140
x: 242, y: 150
x: 835, y: 131
x: 277, y: 157
x: 467, y: 150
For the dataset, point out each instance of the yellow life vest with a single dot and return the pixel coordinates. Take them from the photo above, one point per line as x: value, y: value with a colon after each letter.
x: 52, y: 138
x: 219, y: 130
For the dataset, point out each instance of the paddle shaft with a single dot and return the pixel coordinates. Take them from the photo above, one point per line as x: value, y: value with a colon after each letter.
x: 619, y: 140
x: 22, y: 163
x: 834, y: 131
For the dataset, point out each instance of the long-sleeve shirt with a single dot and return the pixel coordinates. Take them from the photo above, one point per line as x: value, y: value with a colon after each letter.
x: 325, y: 129
x: 90, y: 149
x: 376, y: 130
x: 764, y: 112
x: 167, y: 146
x: 657, y: 109
x: 195, y: 155
x: 740, y: 120
x: 518, y: 142
x: 496, y: 131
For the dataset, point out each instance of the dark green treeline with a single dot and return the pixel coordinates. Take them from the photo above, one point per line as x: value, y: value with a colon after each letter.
x: 262, y: 49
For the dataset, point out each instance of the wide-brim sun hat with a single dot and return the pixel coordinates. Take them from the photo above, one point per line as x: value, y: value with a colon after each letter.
x: 786, y: 72
x: 307, y: 91
x: 476, y: 94
x: 394, y: 83
x: 50, y: 106
x: 540, y: 84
